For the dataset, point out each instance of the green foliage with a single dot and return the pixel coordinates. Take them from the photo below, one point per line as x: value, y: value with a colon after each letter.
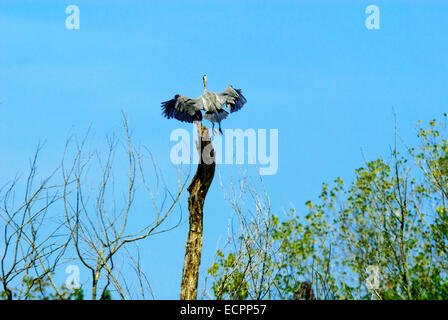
x: 384, y: 236
x: 106, y: 295
x: 232, y: 285
x: 78, y: 294
x: 41, y: 289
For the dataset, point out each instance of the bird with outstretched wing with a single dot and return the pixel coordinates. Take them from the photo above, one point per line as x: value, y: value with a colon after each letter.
x: 189, y: 110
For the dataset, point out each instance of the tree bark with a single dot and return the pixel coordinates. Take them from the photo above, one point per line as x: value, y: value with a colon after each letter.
x: 198, y: 190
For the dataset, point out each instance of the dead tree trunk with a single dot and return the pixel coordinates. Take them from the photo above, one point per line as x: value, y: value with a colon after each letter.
x: 198, y: 190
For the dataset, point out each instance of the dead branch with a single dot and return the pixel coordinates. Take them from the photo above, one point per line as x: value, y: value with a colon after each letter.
x: 198, y: 191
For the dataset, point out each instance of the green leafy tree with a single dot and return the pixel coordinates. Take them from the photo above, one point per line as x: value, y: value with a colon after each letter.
x: 384, y: 236
x: 42, y: 289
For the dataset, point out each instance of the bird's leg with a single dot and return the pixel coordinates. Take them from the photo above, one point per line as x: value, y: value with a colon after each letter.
x: 220, y: 131
x: 213, y: 128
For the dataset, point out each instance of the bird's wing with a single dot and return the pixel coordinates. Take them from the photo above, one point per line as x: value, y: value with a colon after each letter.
x: 183, y: 109
x: 233, y: 98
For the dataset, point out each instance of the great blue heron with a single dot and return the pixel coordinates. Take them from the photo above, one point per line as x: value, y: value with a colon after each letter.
x: 189, y: 110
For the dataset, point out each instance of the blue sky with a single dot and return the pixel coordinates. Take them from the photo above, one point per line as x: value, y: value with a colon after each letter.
x: 310, y: 69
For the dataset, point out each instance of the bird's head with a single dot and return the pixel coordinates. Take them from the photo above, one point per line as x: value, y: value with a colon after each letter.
x: 204, y: 79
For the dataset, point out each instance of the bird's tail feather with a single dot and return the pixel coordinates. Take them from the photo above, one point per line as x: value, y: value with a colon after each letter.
x: 216, y: 116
